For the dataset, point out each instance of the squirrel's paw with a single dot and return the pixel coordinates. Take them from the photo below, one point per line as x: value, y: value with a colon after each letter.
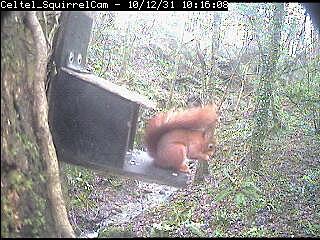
x: 184, y: 168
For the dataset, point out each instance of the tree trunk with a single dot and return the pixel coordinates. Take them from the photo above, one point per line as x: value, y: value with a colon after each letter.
x: 31, y: 197
x: 265, y: 113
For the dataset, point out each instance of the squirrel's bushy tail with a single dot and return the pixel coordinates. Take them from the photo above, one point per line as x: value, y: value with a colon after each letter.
x: 197, y: 118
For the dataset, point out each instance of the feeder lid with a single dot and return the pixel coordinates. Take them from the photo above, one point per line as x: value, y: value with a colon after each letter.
x: 112, y: 87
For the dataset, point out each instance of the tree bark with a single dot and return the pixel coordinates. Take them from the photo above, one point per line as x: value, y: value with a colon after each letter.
x: 43, y: 135
x: 31, y: 200
x: 265, y: 113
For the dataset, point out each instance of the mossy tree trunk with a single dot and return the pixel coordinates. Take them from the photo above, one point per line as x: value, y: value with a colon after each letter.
x: 31, y: 199
x: 265, y: 116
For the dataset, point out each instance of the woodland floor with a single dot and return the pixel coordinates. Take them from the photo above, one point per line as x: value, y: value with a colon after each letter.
x: 280, y: 201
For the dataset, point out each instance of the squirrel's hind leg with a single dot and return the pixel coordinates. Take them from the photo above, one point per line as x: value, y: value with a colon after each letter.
x: 173, y: 156
x: 184, y: 168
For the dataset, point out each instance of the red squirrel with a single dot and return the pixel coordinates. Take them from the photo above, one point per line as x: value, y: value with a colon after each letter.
x: 172, y: 137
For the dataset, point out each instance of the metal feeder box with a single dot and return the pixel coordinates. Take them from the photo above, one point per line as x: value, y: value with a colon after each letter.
x: 92, y: 120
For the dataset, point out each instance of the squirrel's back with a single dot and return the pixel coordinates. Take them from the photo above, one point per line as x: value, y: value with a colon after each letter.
x: 197, y: 118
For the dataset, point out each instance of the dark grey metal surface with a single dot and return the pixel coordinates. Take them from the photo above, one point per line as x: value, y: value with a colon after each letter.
x: 89, y: 123
x: 74, y: 36
x: 140, y: 165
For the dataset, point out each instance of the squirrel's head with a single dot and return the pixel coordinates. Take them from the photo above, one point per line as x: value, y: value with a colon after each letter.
x: 211, y: 148
x: 210, y: 144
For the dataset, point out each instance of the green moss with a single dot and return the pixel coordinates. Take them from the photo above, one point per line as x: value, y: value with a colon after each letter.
x: 37, y: 221
x: 162, y: 229
x: 256, y: 232
x: 115, y: 231
x: 28, y: 145
x: 6, y: 217
x: 31, y: 221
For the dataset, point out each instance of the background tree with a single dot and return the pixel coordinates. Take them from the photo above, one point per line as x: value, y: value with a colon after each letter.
x: 265, y: 114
